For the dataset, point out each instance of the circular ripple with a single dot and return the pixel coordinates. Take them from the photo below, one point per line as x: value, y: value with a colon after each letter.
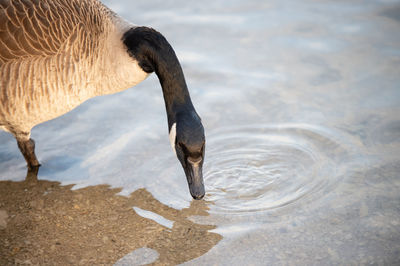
x: 257, y: 168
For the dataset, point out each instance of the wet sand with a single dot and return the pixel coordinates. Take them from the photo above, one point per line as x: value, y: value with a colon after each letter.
x: 44, y: 223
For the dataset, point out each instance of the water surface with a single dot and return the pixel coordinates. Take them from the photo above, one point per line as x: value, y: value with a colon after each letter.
x: 301, y: 103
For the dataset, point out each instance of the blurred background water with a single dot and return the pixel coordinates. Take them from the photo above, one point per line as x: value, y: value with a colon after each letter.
x: 301, y: 105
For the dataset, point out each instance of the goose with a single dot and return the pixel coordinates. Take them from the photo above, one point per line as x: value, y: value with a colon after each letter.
x: 56, y: 54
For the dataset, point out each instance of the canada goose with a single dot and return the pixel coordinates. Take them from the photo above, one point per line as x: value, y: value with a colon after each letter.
x: 56, y: 54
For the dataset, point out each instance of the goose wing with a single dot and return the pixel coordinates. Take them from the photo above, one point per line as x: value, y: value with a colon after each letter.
x: 43, y: 27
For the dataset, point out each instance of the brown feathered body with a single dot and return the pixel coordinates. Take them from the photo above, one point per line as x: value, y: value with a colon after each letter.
x: 56, y: 54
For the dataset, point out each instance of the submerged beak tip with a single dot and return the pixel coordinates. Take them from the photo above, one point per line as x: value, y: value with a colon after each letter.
x: 198, y: 195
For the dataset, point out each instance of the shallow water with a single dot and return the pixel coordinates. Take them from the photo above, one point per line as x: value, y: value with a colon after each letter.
x: 301, y: 103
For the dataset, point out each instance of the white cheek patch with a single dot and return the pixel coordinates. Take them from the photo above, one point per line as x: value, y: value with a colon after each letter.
x: 172, y: 136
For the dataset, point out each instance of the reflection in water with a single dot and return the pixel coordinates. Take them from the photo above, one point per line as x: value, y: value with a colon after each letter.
x: 45, y: 223
x: 141, y: 256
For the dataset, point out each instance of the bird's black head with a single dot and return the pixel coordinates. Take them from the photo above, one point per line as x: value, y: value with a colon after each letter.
x: 154, y: 53
x: 188, y: 141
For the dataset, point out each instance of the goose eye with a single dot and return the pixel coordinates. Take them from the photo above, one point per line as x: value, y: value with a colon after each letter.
x: 183, y: 147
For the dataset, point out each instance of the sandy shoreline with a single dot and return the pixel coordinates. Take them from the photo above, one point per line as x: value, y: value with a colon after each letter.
x: 46, y: 223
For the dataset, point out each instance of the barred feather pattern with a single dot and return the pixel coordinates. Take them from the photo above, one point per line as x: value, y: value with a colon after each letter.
x: 56, y: 54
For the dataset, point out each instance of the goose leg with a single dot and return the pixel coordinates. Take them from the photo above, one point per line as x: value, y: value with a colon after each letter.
x: 32, y: 175
x: 27, y: 147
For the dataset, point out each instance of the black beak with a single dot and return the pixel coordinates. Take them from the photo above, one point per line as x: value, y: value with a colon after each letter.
x: 194, y: 175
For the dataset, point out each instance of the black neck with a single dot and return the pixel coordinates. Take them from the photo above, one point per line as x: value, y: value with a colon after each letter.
x: 154, y: 53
